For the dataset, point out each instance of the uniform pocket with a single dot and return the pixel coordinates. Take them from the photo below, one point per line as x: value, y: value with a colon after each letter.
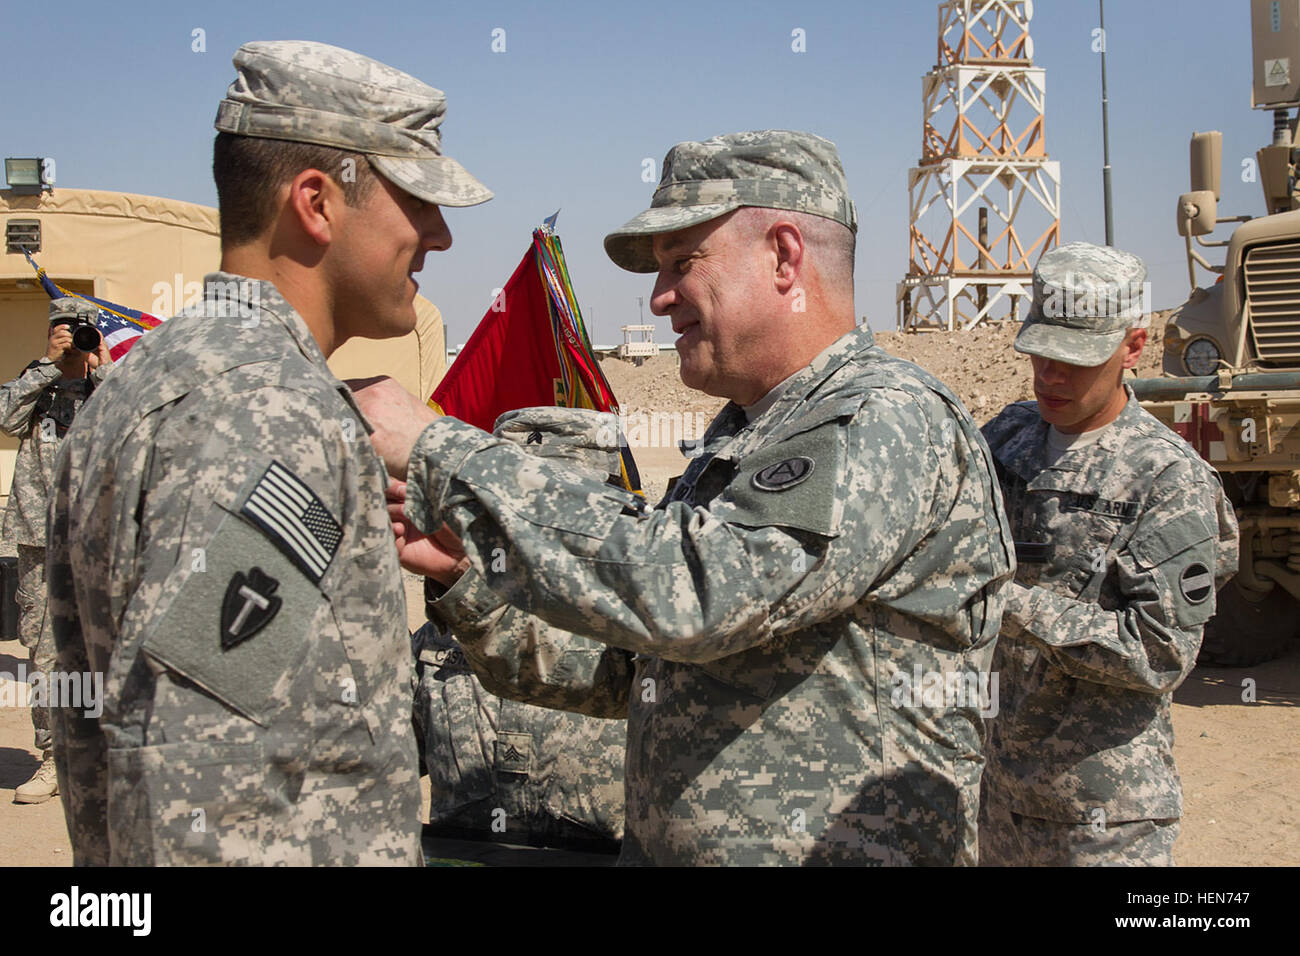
x: 1080, y: 533
x: 794, y: 483
x: 1184, y: 569
x: 1090, y: 542
x: 190, y: 803
x: 458, y: 741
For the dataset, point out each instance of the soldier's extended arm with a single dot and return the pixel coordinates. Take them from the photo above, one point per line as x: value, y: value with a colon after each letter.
x: 18, y: 397
x: 519, y: 656
x: 688, y: 583
x: 1166, y: 573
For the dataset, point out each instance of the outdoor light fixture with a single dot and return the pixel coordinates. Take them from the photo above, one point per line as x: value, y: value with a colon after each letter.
x: 28, y: 177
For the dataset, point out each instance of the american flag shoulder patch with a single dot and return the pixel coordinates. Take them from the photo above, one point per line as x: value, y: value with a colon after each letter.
x: 291, y: 515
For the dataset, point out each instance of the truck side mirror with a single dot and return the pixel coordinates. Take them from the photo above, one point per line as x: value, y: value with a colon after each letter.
x: 1196, y: 213
x: 1207, y: 162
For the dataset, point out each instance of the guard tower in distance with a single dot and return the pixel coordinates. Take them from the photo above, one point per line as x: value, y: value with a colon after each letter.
x: 638, y: 344
x: 984, y: 201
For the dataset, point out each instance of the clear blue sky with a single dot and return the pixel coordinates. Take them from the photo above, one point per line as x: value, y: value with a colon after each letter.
x: 585, y: 91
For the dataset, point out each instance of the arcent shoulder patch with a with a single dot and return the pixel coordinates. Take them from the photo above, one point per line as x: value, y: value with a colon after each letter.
x: 1196, y: 583
x: 784, y: 474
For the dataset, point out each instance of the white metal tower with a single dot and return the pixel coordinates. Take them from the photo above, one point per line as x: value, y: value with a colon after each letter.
x: 984, y: 202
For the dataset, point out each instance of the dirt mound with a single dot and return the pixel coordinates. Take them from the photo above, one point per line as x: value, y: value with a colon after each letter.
x: 656, y: 385
x: 979, y: 365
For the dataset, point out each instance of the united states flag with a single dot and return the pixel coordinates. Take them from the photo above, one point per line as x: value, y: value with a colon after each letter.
x: 120, y: 326
x: 121, y: 333
x: 283, y: 506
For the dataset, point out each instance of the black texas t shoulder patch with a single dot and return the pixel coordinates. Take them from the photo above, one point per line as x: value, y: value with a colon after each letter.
x: 249, y: 605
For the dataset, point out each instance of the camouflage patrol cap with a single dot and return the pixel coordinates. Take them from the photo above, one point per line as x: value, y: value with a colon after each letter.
x: 772, y: 168
x: 71, y: 307
x: 578, y: 437
x: 1086, y: 298
x: 311, y: 92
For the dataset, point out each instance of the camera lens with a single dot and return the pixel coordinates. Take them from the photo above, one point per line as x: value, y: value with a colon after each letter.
x: 85, y: 338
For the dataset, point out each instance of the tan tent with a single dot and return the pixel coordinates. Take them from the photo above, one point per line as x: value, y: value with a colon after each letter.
x: 151, y: 254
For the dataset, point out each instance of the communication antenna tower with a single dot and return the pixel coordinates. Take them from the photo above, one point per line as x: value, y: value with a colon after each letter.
x: 984, y: 201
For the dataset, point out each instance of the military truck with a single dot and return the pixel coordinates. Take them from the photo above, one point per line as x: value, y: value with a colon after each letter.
x: 1232, y: 357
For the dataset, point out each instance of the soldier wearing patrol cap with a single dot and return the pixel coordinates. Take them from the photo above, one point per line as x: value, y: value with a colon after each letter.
x: 1122, y: 536
x: 37, y: 407
x: 220, y: 547
x: 839, y: 525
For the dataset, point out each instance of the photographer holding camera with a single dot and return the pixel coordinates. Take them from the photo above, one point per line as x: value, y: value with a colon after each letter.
x: 37, y: 407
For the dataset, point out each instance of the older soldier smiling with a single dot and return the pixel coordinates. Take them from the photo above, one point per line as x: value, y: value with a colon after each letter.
x: 839, y: 523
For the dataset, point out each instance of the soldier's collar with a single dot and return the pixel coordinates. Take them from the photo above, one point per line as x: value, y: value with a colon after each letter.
x: 263, y: 300
x: 1117, y: 432
x: 725, y: 425
x: 827, y: 362
x: 352, y: 402
x: 1025, y: 452
x: 279, y: 307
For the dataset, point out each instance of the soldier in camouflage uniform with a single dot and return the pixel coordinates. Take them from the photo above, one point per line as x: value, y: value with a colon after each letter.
x: 234, y: 575
x: 1122, y: 535
x: 504, y: 770
x: 37, y: 407
x: 839, y: 525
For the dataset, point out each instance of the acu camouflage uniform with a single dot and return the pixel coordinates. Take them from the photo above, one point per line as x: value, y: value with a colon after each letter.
x: 750, y: 625
x: 235, y: 574
x: 1120, y: 547
x: 256, y: 671
x: 504, y: 770
x: 37, y: 407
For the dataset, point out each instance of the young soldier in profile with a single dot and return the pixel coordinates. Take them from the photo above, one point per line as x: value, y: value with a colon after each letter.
x: 234, y: 574
x: 1122, y: 536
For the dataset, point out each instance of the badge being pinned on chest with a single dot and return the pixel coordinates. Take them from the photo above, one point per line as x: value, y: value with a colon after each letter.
x: 784, y: 474
x: 249, y: 606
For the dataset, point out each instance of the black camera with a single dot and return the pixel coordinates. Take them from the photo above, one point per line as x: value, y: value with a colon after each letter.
x: 85, y: 337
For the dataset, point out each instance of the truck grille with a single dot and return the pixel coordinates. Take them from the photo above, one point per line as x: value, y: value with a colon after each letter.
x: 1273, y: 293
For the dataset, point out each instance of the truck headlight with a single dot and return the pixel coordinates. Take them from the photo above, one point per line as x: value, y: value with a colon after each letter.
x: 1202, y: 357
